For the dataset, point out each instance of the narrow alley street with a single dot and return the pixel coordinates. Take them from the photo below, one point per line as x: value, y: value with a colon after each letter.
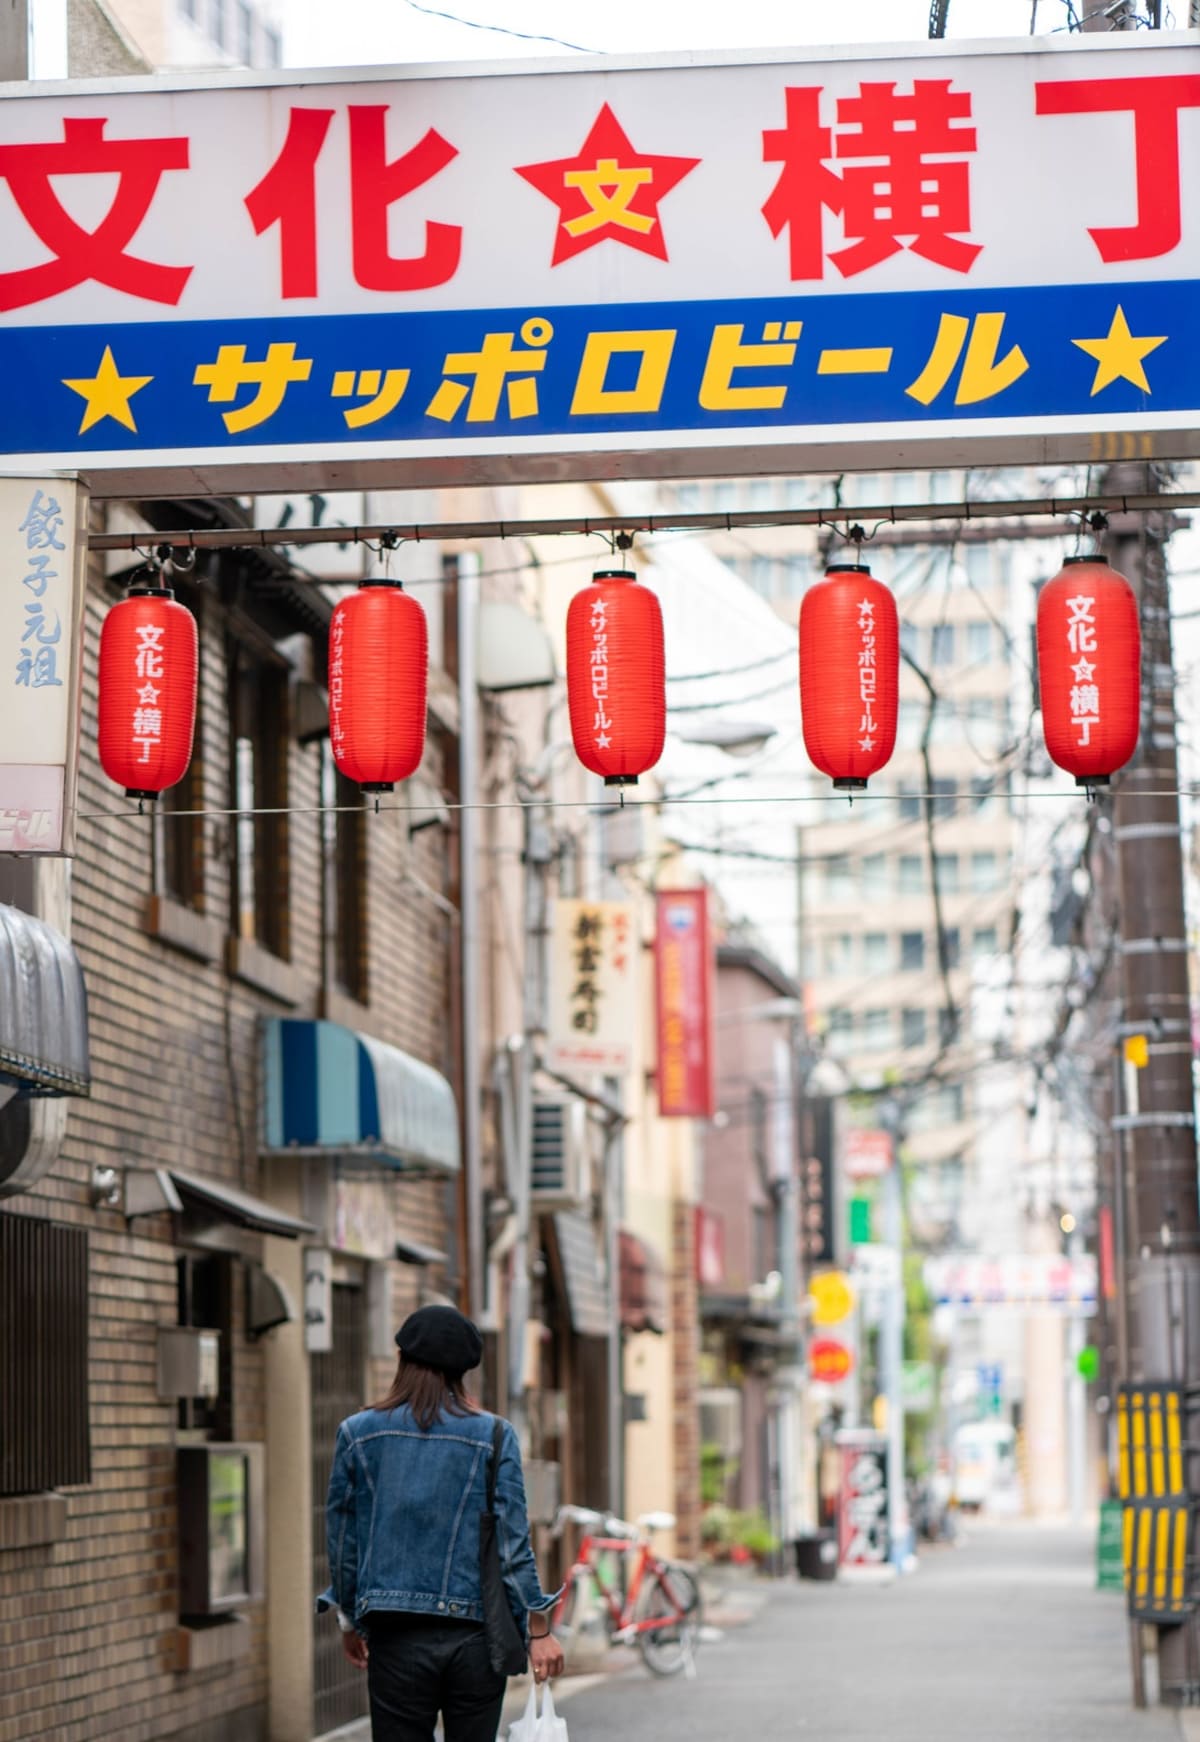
x: 1002, y: 1640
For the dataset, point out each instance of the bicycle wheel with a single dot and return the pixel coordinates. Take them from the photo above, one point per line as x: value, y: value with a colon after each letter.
x: 668, y: 1620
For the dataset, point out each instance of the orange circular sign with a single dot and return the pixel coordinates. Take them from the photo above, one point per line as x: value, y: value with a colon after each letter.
x: 828, y: 1361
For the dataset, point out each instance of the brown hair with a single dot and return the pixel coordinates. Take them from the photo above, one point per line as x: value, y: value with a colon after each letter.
x: 428, y: 1392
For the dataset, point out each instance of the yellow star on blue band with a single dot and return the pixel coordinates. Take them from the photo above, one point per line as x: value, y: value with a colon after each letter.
x: 108, y: 393
x: 1119, y: 355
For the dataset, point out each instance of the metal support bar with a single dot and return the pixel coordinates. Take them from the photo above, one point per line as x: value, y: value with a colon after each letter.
x: 447, y: 531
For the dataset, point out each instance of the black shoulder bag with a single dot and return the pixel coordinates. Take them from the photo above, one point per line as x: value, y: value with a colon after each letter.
x: 506, y: 1648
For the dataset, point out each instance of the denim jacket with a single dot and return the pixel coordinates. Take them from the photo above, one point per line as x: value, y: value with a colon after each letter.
x: 402, y: 1517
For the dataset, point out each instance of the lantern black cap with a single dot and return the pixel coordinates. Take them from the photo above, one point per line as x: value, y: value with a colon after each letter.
x: 847, y: 569
x: 614, y: 575
x: 1095, y: 557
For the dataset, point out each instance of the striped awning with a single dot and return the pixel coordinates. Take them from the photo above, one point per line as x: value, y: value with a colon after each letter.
x: 330, y: 1090
x: 43, y: 1009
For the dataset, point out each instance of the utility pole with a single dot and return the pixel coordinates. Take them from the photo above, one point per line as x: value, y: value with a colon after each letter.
x: 1162, y: 1204
x: 14, y: 40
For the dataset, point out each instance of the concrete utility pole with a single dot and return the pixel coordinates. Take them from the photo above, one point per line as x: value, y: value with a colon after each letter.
x: 14, y: 40
x: 1162, y: 1203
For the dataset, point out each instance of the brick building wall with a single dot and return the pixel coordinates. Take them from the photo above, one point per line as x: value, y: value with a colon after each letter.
x: 88, y: 1622
x: 685, y: 1331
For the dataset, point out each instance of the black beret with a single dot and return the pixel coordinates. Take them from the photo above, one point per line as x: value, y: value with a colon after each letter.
x: 441, y: 1337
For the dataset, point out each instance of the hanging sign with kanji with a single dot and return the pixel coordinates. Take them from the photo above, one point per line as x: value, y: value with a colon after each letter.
x: 920, y: 254
x: 594, y: 956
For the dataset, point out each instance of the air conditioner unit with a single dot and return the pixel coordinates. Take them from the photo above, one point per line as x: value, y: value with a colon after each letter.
x: 561, y: 1167
x: 721, y: 1421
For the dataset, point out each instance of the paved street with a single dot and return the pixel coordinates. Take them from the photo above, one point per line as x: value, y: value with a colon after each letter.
x: 1002, y: 1640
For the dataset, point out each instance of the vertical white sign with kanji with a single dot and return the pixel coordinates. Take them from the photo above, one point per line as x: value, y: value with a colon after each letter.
x: 42, y: 553
x: 593, y: 987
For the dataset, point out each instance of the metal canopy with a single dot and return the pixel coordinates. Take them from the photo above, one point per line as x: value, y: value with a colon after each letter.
x: 332, y: 1091
x: 43, y: 1009
x: 151, y: 1191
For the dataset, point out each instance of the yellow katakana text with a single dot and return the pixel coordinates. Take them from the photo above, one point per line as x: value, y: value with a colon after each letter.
x: 490, y: 367
x: 272, y: 377
x: 727, y: 354
x: 383, y: 393
x: 593, y: 396
x: 982, y: 376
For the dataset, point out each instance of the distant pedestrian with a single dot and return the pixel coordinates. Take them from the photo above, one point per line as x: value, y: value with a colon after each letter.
x: 408, y: 1485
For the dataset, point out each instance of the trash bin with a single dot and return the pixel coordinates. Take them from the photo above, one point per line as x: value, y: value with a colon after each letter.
x: 817, y: 1555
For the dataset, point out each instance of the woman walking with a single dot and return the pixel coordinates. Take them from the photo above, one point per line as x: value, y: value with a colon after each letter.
x: 408, y: 1486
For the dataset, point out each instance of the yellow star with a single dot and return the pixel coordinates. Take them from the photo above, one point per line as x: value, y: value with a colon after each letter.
x: 108, y: 393
x: 1119, y: 355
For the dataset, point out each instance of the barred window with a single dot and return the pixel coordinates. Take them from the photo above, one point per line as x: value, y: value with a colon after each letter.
x: 43, y: 1356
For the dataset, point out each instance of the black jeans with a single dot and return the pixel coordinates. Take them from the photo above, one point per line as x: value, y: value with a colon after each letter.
x: 419, y: 1666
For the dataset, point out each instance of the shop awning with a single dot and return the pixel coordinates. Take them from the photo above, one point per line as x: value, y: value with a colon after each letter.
x: 151, y: 1190
x: 43, y: 1009
x: 413, y: 1252
x: 332, y: 1091
x: 583, y: 1273
x: 643, y: 1285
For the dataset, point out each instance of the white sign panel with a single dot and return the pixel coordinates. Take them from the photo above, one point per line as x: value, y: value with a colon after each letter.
x: 593, y: 986
x: 41, y: 592
x: 1037, y: 1284
x: 871, y: 256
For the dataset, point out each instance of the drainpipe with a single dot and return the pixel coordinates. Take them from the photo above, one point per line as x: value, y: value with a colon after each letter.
x: 468, y: 767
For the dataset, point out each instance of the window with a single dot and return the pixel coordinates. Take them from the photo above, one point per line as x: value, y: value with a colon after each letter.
x: 953, y: 945
x: 877, y: 953
x: 945, y: 867
x: 985, y: 873
x: 839, y: 954
x: 983, y: 793
x: 724, y: 497
x: 344, y: 837
x: 245, y: 32
x: 762, y: 571
x: 874, y: 877
x: 189, y: 8
x: 877, y: 1030
x: 977, y: 559
x: 839, y: 882
x: 945, y: 797
x: 938, y: 1107
x: 688, y: 495
x: 984, y: 941
x: 947, y: 1026
x: 272, y: 48
x: 910, y: 724
x: 260, y: 783
x: 796, y: 493
x: 909, y: 640
x: 911, y: 880
x: 796, y: 571
x: 761, y: 492
x: 912, y: 1028
x: 908, y: 800
x: 217, y: 22
x: 841, y: 1032
x: 912, y: 951
x: 941, y: 644
x: 979, y: 642
x: 43, y: 1356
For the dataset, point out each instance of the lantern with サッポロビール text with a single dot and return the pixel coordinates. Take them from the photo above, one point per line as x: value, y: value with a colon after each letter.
x: 616, y: 677
x: 378, y: 685
x: 849, y: 674
x: 1089, y: 656
x: 147, y: 691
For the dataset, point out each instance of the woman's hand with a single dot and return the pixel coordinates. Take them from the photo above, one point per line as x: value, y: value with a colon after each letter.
x: 355, y: 1647
x: 545, y: 1657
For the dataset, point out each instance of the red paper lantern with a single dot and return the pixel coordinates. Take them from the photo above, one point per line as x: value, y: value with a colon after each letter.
x: 849, y: 674
x: 1089, y: 652
x: 148, y: 664
x: 378, y: 684
x: 616, y: 677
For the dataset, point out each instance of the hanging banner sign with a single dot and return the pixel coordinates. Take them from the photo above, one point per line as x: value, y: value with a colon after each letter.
x: 1040, y: 1283
x: 684, y: 1004
x: 42, y: 525
x: 866, y: 1154
x: 237, y: 280
x: 593, y: 986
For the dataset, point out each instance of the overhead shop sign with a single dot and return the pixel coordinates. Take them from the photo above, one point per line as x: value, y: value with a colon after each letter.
x: 239, y: 282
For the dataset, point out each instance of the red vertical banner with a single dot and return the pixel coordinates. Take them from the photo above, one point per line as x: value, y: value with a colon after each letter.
x: 684, y: 973
x: 1108, y: 1264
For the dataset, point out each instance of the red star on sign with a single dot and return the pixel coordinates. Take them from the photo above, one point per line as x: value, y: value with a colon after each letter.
x: 609, y: 192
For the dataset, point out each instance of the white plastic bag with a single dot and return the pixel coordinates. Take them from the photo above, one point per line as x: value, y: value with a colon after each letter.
x: 533, y: 1726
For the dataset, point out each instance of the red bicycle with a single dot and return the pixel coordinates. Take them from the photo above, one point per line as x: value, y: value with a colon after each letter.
x: 655, y: 1606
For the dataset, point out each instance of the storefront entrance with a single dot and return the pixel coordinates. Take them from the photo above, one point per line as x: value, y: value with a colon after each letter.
x: 339, y: 1690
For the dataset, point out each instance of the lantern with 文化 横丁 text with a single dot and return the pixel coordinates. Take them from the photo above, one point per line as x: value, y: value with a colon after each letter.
x: 849, y: 674
x: 149, y: 658
x: 616, y: 677
x: 378, y: 685
x: 1089, y: 669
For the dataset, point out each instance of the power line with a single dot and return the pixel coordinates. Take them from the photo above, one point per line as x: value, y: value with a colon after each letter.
x: 497, y: 29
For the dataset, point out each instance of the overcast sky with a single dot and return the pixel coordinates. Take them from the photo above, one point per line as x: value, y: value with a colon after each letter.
x: 373, y: 32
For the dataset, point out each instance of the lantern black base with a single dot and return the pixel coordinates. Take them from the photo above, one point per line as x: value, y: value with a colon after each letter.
x: 620, y: 780
x: 1091, y: 780
x: 133, y: 792
x: 377, y: 786
x: 850, y: 785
